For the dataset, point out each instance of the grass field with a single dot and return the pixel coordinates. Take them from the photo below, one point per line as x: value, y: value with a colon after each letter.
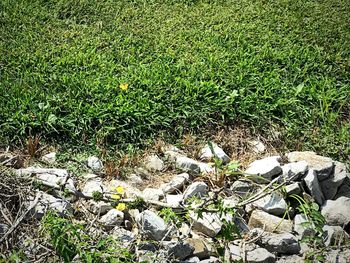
x: 189, y: 65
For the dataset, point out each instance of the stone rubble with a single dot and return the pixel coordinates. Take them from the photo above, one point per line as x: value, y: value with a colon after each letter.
x: 275, y: 223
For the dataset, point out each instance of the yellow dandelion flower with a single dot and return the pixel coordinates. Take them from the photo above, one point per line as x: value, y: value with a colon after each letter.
x: 121, y: 207
x: 119, y: 190
x: 114, y: 196
x: 124, y: 86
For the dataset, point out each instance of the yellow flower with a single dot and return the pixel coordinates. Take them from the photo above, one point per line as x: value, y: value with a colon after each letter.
x: 121, y: 207
x: 117, y: 197
x: 120, y: 189
x: 124, y: 86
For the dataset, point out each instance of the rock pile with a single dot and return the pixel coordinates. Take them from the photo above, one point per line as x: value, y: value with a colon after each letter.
x: 262, y: 204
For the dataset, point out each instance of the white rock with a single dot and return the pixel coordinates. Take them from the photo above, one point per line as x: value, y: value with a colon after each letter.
x: 94, y: 163
x: 49, y: 202
x: 313, y: 186
x: 207, y: 154
x: 56, y: 181
x: 273, y: 204
x: 293, y: 188
x: 294, y: 170
x: 190, y: 165
x: 125, y: 237
x: 113, y: 218
x: 38, y: 170
x: 49, y: 158
x: 209, y: 224
x: 211, y: 259
x: 178, y: 249
x: 176, y: 183
x: 291, y: 259
x: 260, y: 255
x: 243, y: 188
x: 154, y: 163
x: 282, y: 243
x: 98, y: 208
x: 334, y: 235
x: 261, y: 219
x: 135, y: 180
x: 330, y: 186
x: 153, y: 194
x: 257, y: 146
x: 191, y: 260
x: 198, y: 189
x: 129, y: 191
x: 303, y: 227
x: 152, y: 225
x: 337, y: 212
x: 323, y: 166
x: 174, y: 200
x: 266, y: 168
x: 92, y: 186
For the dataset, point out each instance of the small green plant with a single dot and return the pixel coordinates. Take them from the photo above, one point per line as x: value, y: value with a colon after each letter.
x: 169, y: 215
x: 138, y: 203
x: 70, y: 240
x: 315, y: 221
x: 97, y: 196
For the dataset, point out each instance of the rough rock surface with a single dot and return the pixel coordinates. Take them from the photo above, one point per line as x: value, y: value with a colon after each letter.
x: 207, y: 154
x: 152, y: 225
x: 113, y: 218
x: 208, y: 224
x: 176, y: 183
x: 94, y: 163
x: 198, y: 189
x: 273, y: 204
x: 337, y: 212
x: 313, y: 186
x: 261, y: 219
x: 154, y: 163
x: 266, y: 168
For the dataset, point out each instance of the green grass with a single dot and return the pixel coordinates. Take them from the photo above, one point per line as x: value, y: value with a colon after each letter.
x: 189, y: 65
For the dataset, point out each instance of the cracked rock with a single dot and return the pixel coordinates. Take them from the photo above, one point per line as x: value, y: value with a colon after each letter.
x: 266, y: 168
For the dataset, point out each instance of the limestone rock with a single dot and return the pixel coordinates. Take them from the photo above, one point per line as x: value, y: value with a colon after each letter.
x: 154, y: 163
x: 207, y: 154
x: 113, y: 218
x: 152, y: 225
x: 273, y: 204
x: 191, y: 260
x: 257, y: 146
x: 283, y: 243
x: 209, y: 223
x: 293, y: 188
x: 294, y: 170
x: 129, y: 191
x: 334, y: 235
x: 291, y: 259
x: 260, y: 255
x: 313, y: 186
x: 176, y: 183
x: 337, y: 212
x: 178, y: 249
x: 323, y: 166
x: 92, y: 186
x: 242, y: 188
x: 174, y: 200
x: 98, y: 208
x: 94, y: 163
x: 153, y: 194
x: 125, y: 237
x: 190, y: 165
x: 201, y: 247
x: 266, y: 168
x: 330, y: 186
x: 49, y: 158
x: 198, y: 189
x: 303, y: 227
x: 49, y: 202
x: 261, y: 219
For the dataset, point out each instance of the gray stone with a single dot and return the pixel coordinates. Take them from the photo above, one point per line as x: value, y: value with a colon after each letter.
x: 190, y: 165
x: 154, y: 163
x: 313, y: 186
x: 135, y: 180
x: 235, y: 252
x: 92, y: 186
x: 294, y: 170
x: 242, y: 188
x: 210, y: 260
x: 337, y: 212
x: 152, y: 225
x: 208, y: 224
x: 334, y: 235
x: 303, y: 227
x: 202, y: 249
x: 207, y: 154
x: 174, y: 200
x: 113, y: 218
x: 257, y: 146
x: 94, y: 163
x: 338, y: 256
x: 153, y: 194
x: 283, y: 243
x: 49, y: 202
x: 261, y: 219
x: 344, y: 189
x: 176, y: 183
x: 191, y: 260
x: 178, y: 249
x: 125, y: 237
x: 291, y: 259
x: 198, y: 189
x: 266, y: 168
x: 49, y: 158
x: 323, y: 166
x: 98, y: 208
x: 293, y: 188
x: 260, y: 255
x: 273, y: 204
x: 330, y: 186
